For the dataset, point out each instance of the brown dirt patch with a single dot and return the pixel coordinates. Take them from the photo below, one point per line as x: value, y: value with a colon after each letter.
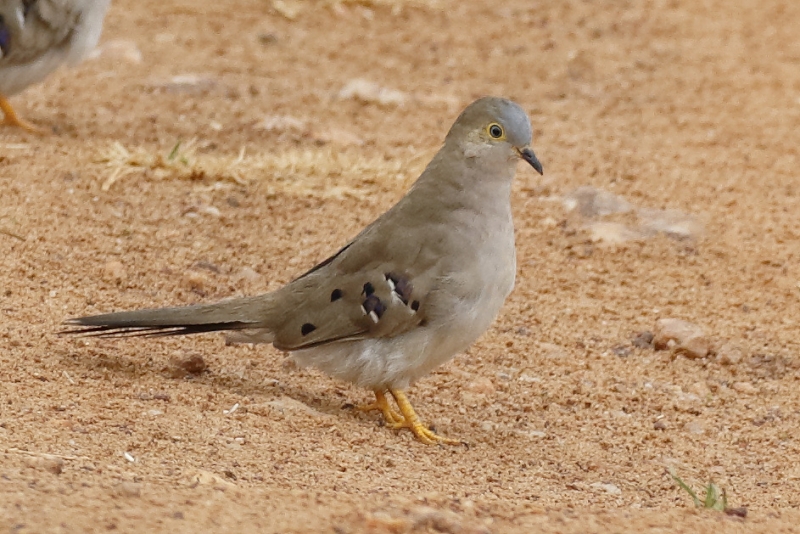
x: 672, y: 104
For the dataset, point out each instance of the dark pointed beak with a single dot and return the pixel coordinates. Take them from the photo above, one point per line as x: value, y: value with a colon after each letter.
x: 528, y: 155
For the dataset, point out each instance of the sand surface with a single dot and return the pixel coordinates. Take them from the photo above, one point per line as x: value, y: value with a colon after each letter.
x: 215, y: 149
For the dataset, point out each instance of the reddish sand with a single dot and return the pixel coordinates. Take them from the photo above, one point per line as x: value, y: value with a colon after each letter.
x: 693, y: 106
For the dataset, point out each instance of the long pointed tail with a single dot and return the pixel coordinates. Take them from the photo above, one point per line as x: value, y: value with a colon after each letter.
x: 235, y: 314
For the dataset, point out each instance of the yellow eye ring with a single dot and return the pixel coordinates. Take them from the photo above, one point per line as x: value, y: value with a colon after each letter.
x: 495, y: 131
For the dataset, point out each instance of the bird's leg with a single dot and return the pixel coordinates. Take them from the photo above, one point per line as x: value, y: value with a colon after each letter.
x: 391, y: 416
x: 11, y: 118
x: 412, y: 422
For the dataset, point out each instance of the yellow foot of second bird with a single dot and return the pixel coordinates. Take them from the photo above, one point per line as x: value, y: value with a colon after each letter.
x: 10, y: 118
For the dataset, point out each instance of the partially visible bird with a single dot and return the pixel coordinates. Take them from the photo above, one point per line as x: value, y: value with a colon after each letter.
x: 413, y: 289
x: 38, y: 36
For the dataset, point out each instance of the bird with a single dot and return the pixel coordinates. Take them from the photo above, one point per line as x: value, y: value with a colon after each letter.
x: 416, y: 287
x: 38, y: 36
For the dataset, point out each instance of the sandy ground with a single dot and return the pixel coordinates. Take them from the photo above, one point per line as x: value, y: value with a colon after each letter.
x: 672, y: 105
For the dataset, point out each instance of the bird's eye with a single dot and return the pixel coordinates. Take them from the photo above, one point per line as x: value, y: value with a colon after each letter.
x: 496, y: 131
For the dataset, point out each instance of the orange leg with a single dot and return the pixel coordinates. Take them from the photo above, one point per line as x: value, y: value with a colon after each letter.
x: 411, y: 421
x: 11, y: 118
x: 381, y: 404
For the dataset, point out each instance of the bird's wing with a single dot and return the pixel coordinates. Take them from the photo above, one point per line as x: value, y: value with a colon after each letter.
x: 376, y: 286
x: 29, y: 28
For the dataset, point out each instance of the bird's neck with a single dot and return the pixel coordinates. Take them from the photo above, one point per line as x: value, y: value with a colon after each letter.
x: 460, y: 182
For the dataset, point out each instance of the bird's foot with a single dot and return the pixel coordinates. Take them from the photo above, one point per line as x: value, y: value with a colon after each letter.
x: 411, y: 421
x: 10, y: 118
x: 382, y: 404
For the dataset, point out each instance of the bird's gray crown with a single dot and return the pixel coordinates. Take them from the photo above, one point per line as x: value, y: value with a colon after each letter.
x: 487, y: 110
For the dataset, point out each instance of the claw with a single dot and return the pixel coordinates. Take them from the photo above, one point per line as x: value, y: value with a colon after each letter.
x: 381, y: 404
x: 412, y: 422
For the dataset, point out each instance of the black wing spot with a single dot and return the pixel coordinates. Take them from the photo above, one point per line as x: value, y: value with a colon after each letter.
x: 373, y: 304
x: 336, y: 294
x: 368, y: 289
x: 415, y: 305
x: 403, y: 290
x: 401, y: 286
x: 307, y: 329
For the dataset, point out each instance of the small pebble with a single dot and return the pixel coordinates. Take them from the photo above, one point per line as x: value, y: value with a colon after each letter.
x: 643, y: 340
x: 114, y: 271
x: 289, y: 9
x: 745, y: 387
x: 608, y: 488
x: 209, y: 210
x: 481, y: 386
x: 551, y: 350
x: 533, y: 434
x: 249, y: 275
x: 741, y: 511
x: 207, y: 478
x: 186, y: 84
x: 593, y: 202
x: 369, y: 92
x: 672, y: 223
x: 660, y: 425
x: 51, y: 464
x: 694, y: 427
x: 267, y: 38
x: 676, y: 330
x: 682, y: 336
x: 128, y: 489
x: 207, y: 265
x: 611, y: 233
x: 119, y: 49
x: 337, y: 136
x: 700, y: 389
x: 425, y: 518
x: 195, y: 281
x: 525, y: 377
x: 696, y: 347
x: 189, y: 365
x: 622, y: 351
x: 729, y: 354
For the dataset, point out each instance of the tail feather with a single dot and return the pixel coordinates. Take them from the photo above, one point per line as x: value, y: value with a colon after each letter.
x: 150, y: 331
x: 237, y: 314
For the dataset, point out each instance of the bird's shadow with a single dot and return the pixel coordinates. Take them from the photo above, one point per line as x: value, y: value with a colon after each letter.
x: 337, y: 400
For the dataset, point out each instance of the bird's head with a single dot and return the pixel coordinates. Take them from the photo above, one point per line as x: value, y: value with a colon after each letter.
x: 492, y: 131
